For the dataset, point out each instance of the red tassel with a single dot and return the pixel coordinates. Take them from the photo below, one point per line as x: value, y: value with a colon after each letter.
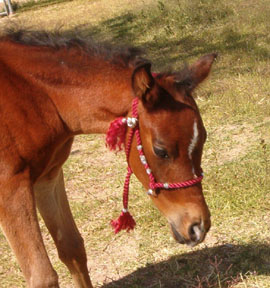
x: 124, y: 222
x: 116, y: 134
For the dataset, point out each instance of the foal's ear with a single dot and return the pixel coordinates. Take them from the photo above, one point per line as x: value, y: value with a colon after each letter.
x: 142, y: 83
x: 201, y: 69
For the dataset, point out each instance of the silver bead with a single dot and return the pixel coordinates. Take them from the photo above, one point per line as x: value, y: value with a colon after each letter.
x: 131, y: 122
x: 148, y: 171
x: 143, y: 159
x: 166, y: 185
x: 139, y: 147
x: 125, y: 210
x: 150, y: 192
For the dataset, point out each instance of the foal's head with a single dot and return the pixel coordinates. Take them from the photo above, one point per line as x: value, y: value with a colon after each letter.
x: 173, y: 135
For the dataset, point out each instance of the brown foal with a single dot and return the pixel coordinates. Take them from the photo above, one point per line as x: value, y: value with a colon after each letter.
x: 53, y: 89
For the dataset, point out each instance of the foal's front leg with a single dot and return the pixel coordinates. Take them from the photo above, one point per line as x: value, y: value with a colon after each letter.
x: 53, y: 205
x: 19, y: 222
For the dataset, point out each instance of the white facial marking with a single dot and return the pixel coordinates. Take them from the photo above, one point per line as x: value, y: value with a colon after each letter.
x: 194, y: 140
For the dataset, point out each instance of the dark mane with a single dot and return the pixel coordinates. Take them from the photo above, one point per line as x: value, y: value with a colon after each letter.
x: 125, y: 55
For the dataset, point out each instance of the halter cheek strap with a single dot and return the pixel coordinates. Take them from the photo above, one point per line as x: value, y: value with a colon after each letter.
x: 115, y: 138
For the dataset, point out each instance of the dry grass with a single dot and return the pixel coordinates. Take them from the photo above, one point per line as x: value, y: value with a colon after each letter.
x: 235, y: 106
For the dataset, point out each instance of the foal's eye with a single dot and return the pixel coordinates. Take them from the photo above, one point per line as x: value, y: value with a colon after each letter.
x: 161, y: 152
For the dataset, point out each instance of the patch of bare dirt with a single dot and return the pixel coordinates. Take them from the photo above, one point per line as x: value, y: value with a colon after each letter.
x: 230, y: 142
x: 108, y: 263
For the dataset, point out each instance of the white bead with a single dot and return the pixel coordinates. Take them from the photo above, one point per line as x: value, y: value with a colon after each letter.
x: 166, y: 185
x: 125, y: 210
x: 148, y: 171
x: 139, y: 147
x: 124, y: 120
x: 131, y: 122
x: 143, y: 159
x: 150, y: 192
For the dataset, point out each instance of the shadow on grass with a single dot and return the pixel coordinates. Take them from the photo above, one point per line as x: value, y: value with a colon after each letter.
x: 176, y: 33
x: 164, y: 52
x: 221, y: 266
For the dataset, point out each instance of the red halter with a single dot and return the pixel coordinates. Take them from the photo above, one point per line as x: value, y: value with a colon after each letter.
x: 115, y: 137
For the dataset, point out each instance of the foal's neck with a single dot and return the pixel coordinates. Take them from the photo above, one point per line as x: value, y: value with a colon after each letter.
x: 87, y: 91
x: 91, y: 92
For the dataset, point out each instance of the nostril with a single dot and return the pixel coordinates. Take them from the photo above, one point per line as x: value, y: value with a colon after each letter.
x: 195, y: 232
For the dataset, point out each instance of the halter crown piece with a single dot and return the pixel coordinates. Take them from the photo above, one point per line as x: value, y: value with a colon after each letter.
x: 115, y: 139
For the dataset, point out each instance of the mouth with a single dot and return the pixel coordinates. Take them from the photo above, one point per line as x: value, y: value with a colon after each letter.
x: 180, y: 239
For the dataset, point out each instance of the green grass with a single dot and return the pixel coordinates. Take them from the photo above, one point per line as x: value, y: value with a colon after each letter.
x: 235, y: 106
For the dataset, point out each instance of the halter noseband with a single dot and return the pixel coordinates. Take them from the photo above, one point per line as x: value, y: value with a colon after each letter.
x: 115, y: 137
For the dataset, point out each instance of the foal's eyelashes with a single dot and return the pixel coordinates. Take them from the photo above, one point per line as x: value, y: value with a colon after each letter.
x: 161, y: 152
